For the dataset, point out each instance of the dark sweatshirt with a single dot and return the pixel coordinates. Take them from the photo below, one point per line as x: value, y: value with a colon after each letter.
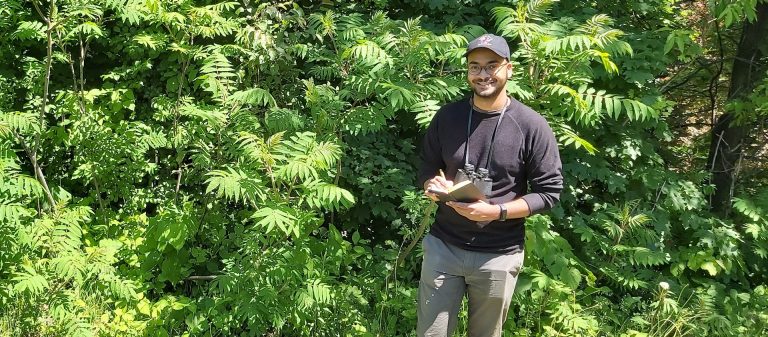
x: 526, y: 163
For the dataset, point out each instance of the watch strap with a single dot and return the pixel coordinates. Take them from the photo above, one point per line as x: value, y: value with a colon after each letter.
x: 502, y: 212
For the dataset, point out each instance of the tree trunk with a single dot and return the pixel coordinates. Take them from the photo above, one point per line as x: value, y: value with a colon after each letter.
x: 727, y: 138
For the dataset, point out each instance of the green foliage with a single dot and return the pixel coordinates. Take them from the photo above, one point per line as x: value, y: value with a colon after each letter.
x: 732, y: 11
x: 200, y: 168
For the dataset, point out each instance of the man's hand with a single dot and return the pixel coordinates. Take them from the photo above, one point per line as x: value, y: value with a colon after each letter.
x: 476, y: 211
x: 438, y: 183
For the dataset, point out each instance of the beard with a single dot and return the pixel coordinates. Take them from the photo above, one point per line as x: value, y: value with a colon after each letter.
x: 491, y: 90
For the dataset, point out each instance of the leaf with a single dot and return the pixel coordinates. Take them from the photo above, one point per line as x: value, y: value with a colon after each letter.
x: 30, y: 30
x: 70, y: 267
x: 87, y: 30
x: 567, y: 136
x: 571, y: 277
x: 151, y: 41
x: 13, y: 212
x: 218, y: 75
x: 297, y: 169
x: 425, y: 111
x: 304, y: 156
x: 21, y: 122
x: 271, y: 218
x: 710, y: 267
x: 280, y: 120
x: 30, y: 281
x: 540, y: 279
x: 325, y: 195
x: 398, y: 96
x: 212, y: 115
x: 748, y: 209
x: 121, y: 288
x: 367, y: 54
x: 171, y: 227
x: 235, y: 185
x: 254, y: 96
x: 319, y: 291
x: 130, y: 11
x: 362, y: 120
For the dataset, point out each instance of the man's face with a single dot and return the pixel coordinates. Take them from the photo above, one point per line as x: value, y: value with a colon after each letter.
x: 494, y: 71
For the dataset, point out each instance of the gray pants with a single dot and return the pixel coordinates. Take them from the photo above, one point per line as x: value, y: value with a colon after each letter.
x: 449, y: 272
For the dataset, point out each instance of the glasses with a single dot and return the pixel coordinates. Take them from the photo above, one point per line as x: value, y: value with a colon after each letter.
x: 490, y: 69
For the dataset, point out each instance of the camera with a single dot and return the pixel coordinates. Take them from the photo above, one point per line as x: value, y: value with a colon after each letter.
x: 479, y: 178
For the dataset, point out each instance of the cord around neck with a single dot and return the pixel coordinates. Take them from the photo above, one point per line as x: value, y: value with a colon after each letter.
x: 493, y: 135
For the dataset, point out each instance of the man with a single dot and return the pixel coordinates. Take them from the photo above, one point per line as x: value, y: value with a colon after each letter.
x: 477, y: 248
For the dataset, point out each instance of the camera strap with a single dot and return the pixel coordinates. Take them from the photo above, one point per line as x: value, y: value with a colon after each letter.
x: 493, y: 135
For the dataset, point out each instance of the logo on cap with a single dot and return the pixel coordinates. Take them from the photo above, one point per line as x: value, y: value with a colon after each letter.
x: 485, y: 40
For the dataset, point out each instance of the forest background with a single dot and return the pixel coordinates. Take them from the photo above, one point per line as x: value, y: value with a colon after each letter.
x: 206, y: 168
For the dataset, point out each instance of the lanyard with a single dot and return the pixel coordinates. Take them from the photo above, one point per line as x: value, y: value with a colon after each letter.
x: 493, y: 135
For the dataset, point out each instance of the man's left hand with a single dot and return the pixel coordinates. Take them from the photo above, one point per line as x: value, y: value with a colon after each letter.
x: 476, y: 211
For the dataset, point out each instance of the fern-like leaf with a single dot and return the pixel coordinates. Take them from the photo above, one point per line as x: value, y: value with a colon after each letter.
x: 254, y: 96
x: 304, y: 156
x: 70, y: 266
x: 566, y: 136
x: 322, y: 25
x: 323, y: 195
x: 86, y: 30
x: 29, y: 281
x: 367, y: 53
x: 211, y: 115
x: 280, y: 120
x: 218, y: 75
x: 398, y: 96
x: 748, y: 209
x: 276, y: 217
x: 30, y: 30
x: 21, y: 122
x: 235, y: 185
x: 362, y: 120
x: 151, y: 41
x: 13, y: 212
x: 425, y: 111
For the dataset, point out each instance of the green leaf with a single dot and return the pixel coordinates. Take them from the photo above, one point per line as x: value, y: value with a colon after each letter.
x: 151, y: 41
x: 13, y: 212
x: 325, y: 195
x: 425, y: 111
x: 254, y: 96
x: 30, y: 281
x: 571, y: 277
x: 277, y: 218
x: 710, y: 267
x: 87, y: 30
x: 212, y: 115
x: 30, y: 30
x: 171, y: 227
x: 21, y: 122
x: 235, y: 185
x: 218, y: 75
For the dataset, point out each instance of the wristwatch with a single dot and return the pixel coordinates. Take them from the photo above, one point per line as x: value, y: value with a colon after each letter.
x: 502, y: 212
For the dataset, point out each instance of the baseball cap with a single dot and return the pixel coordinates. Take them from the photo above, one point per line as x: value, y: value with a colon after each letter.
x: 494, y: 43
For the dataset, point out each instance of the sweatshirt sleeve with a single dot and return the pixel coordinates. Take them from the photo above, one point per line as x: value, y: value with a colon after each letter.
x: 431, y: 153
x: 543, y: 168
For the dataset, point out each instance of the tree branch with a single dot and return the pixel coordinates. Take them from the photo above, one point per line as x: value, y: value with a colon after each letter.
x: 712, y: 87
x: 37, y: 169
x: 40, y: 12
x: 202, y: 277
